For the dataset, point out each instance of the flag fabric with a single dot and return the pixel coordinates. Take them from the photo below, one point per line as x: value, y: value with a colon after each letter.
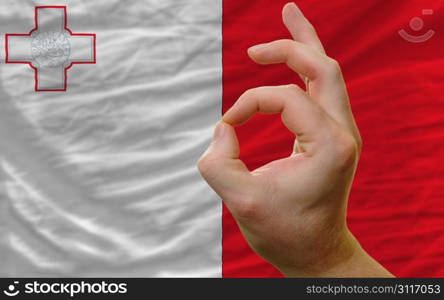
x: 100, y: 179
x: 106, y: 105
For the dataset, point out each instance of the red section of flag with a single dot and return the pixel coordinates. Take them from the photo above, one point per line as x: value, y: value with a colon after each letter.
x: 396, y: 208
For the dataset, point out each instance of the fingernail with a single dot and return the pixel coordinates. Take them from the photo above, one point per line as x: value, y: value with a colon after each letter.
x: 258, y: 47
x: 295, y: 9
x: 219, y: 131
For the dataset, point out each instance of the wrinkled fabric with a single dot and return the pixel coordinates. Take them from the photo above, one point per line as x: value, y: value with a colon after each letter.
x: 100, y: 180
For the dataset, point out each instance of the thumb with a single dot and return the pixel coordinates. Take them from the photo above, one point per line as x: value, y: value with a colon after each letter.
x: 220, y: 165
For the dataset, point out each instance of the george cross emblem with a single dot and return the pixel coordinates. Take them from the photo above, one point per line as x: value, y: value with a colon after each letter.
x: 51, y: 48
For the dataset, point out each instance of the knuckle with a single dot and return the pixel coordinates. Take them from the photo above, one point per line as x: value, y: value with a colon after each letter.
x: 249, y: 93
x: 205, y: 165
x: 246, y: 207
x: 333, y: 67
x: 346, y: 150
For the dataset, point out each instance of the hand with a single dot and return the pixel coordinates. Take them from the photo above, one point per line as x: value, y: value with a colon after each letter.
x: 292, y: 211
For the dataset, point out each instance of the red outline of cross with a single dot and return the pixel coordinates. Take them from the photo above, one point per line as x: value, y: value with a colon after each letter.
x: 30, y: 62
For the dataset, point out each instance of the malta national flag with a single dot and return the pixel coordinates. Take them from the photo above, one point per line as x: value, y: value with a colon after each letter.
x: 106, y: 105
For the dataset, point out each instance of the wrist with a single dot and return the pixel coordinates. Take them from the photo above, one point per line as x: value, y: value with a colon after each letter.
x: 346, y: 259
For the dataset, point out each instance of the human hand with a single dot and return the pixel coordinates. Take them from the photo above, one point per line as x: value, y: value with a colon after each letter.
x: 292, y: 211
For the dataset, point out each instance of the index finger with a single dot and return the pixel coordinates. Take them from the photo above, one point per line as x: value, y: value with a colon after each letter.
x: 327, y: 85
x: 299, y: 114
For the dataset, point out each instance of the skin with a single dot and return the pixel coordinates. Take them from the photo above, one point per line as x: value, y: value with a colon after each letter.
x: 292, y: 211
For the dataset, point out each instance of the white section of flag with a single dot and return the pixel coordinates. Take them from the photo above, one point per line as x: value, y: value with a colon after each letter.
x: 101, y: 180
